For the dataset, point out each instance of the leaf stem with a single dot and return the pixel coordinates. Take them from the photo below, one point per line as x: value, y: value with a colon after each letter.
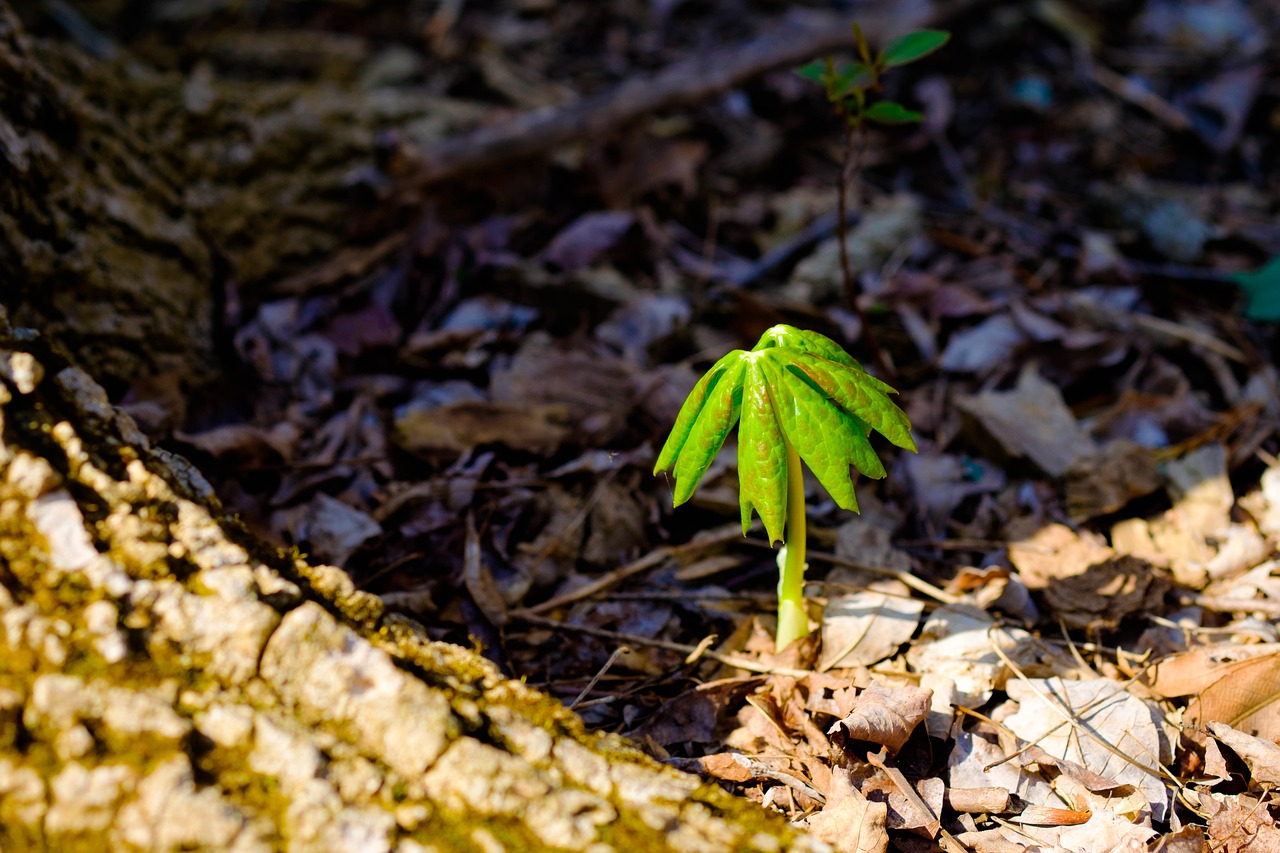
x: 793, y: 616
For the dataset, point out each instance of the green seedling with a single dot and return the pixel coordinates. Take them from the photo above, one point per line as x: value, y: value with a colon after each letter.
x: 850, y: 88
x: 800, y: 397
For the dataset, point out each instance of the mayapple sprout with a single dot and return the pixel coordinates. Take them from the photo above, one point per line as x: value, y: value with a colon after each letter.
x: 800, y: 398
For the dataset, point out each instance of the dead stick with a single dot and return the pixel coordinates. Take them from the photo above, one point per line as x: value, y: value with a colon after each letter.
x: 797, y: 38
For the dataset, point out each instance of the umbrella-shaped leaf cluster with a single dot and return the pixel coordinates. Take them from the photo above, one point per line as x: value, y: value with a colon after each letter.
x: 794, y: 389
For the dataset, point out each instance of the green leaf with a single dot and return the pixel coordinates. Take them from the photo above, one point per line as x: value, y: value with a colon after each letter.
x: 852, y: 76
x: 703, y: 424
x: 1262, y: 291
x: 815, y: 71
x: 890, y: 112
x: 796, y: 388
x: 913, y: 46
x: 864, y: 49
x: 803, y: 340
x: 762, y: 455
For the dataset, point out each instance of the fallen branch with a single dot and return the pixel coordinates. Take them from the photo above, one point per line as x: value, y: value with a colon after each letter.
x: 797, y: 38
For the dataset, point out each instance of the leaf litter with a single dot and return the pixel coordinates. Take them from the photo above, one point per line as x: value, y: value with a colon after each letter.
x: 1055, y: 629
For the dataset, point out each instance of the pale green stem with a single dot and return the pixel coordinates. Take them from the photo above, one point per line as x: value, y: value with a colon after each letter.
x: 793, y: 616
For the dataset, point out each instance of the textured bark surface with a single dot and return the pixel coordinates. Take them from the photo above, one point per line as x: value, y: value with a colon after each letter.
x: 94, y: 238
x: 168, y: 683
x: 132, y: 203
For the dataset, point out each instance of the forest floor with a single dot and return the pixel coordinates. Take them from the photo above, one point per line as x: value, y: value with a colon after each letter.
x: 1056, y: 626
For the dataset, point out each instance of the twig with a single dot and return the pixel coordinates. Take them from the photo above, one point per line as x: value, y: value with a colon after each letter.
x: 595, y: 679
x: 651, y: 560
x: 635, y: 640
x: 906, y: 577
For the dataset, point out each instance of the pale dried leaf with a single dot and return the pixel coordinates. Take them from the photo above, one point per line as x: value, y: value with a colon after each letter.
x: 977, y: 762
x: 983, y: 347
x: 957, y: 644
x: 1105, y: 831
x: 1031, y: 421
x: 861, y: 628
x: 1200, y: 489
x: 326, y: 527
x: 1104, y: 712
x: 848, y: 821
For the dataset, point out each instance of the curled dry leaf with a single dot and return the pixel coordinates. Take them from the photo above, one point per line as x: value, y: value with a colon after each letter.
x: 1262, y: 757
x: 883, y: 715
x: 1194, y: 671
x: 1050, y: 816
x: 989, y: 800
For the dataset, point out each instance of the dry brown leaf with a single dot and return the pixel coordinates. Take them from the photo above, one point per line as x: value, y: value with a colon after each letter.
x: 729, y: 766
x: 1249, y: 699
x: 1189, y: 839
x: 909, y: 808
x: 1031, y: 421
x: 1195, y: 670
x: 848, y: 821
x: 883, y: 715
x: 596, y: 389
x: 1103, y: 482
x: 452, y: 429
x: 1246, y: 826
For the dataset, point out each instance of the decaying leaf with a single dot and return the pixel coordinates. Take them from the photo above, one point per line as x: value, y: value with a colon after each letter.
x: 1085, y: 582
x: 1245, y: 826
x: 883, y: 715
x: 1105, y: 481
x: 452, y: 429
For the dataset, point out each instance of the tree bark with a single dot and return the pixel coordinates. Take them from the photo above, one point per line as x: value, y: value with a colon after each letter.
x: 169, y: 683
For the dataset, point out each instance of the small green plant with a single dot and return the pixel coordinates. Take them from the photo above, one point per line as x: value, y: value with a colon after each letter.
x: 849, y: 88
x: 800, y: 397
